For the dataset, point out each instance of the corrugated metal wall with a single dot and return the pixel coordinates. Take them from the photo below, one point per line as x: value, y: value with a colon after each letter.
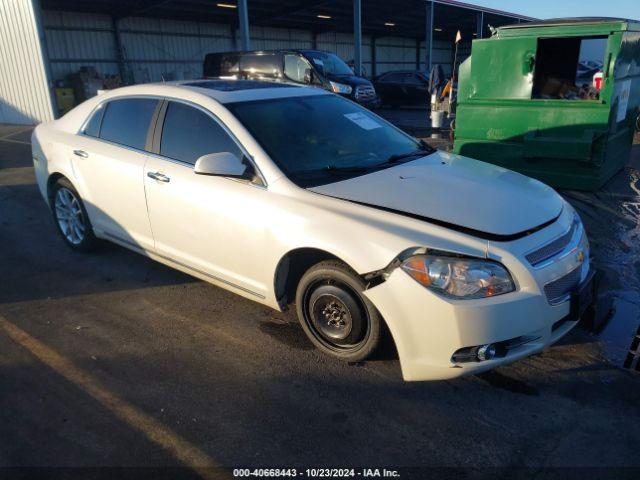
x: 154, y: 49
x: 24, y: 90
x: 342, y: 45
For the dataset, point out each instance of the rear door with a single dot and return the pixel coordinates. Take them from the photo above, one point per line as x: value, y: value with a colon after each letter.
x: 109, y: 162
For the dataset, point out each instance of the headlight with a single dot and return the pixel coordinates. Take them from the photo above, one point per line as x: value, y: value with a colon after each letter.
x: 459, y: 277
x: 340, y: 88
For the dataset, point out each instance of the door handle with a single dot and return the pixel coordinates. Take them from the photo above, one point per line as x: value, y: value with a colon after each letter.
x: 81, y: 153
x: 158, y: 176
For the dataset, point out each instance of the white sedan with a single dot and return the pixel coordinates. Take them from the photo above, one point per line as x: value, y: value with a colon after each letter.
x: 295, y: 196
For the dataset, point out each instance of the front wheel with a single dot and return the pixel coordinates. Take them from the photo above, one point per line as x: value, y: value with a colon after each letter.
x: 334, y: 314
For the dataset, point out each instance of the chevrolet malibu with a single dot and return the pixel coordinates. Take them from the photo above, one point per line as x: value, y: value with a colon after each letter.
x: 295, y: 196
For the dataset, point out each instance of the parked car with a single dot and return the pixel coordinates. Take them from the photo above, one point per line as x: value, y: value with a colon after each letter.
x: 403, y: 87
x: 299, y: 67
x: 294, y: 196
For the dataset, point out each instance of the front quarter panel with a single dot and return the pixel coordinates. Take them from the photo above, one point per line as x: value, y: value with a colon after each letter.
x: 364, y: 238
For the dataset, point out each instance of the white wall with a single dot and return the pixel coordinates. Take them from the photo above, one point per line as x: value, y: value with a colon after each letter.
x: 24, y: 89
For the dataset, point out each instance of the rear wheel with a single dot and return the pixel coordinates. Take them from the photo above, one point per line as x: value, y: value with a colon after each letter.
x: 334, y: 314
x: 71, y: 217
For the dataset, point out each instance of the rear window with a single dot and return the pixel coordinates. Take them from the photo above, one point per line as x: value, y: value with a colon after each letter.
x: 221, y: 64
x: 92, y: 127
x: 392, y: 77
x: 127, y: 121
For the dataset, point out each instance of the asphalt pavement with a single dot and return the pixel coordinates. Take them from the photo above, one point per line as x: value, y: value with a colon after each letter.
x: 112, y: 360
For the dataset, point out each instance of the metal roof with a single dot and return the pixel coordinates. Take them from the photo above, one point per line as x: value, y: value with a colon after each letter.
x: 480, y: 8
x: 555, y: 22
x: 399, y: 18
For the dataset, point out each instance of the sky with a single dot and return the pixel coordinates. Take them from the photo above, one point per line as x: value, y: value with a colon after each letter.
x: 566, y: 8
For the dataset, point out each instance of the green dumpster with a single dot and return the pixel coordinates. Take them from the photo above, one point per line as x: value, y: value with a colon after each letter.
x: 528, y: 99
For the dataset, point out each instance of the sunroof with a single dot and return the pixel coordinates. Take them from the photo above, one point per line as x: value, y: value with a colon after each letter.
x: 235, y: 85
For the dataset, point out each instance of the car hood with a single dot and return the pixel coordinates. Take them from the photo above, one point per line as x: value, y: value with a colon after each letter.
x: 455, y: 191
x: 351, y: 80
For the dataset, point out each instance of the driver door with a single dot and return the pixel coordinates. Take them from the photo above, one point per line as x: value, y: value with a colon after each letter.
x: 212, y: 225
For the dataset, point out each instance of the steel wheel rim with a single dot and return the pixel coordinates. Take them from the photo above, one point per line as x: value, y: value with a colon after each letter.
x: 340, y: 342
x: 69, y: 216
x: 332, y: 317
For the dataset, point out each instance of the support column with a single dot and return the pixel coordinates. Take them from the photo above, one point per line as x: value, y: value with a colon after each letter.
x: 243, y: 21
x: 480, y: 25
x: 429, y: 37
x: 374, y: 57
x: 417, y: 54
x: 122, y: 69
x: 357, y: 37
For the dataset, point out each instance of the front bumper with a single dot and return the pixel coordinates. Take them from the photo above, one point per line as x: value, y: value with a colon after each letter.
x: 428, y: 328
x: 367, y: 102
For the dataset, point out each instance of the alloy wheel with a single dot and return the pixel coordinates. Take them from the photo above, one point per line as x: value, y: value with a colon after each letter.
x: 69, y: 216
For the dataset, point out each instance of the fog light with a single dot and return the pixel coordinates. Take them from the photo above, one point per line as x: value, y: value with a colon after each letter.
x: 486, y: 352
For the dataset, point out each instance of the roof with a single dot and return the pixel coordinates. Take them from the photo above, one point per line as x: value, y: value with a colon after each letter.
x: 230, y: 91
x: 234, y: 85
x: 480, y: 8
x: 383, y: 18
x: 561, y: 22
x: 271, y: 51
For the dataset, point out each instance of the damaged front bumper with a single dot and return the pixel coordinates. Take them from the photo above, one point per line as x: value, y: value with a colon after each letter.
x: 428, y: 330
x: 440, y: 338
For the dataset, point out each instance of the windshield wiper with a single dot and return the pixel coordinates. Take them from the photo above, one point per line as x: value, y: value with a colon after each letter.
x: 350, y: 169
x: 403, y: 156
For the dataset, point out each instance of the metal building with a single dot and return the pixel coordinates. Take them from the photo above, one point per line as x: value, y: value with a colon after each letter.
x: 42, y: 42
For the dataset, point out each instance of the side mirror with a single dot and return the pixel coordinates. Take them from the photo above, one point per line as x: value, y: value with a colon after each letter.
x: 308, y: 75
x: 222, y: 164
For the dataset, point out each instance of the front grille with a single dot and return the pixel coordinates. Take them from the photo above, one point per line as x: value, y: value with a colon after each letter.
x: 553, y: 248
x: 365, y: 93
x: 558, y: 290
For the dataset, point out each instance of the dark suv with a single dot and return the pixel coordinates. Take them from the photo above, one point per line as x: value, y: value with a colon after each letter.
x: 307, y: 67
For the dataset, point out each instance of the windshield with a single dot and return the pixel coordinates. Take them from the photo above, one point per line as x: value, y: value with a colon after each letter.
x: 329, y: 63
x: 323, y: 139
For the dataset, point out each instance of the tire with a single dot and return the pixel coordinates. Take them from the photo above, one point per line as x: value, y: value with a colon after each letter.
x: 70, y: 217
x: 337, y: 318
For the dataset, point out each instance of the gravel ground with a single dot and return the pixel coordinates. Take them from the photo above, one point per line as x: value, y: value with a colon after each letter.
x: 113, y: 360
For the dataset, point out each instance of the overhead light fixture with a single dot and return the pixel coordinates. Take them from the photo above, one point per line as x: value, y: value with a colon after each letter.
x: 226, y: 5
x: 438, y: 29
x: 390, y: 24
x: 325, y: 17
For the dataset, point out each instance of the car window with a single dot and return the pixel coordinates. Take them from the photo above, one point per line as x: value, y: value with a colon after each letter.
x: 92, y: 127
x: 414, y: 79
x: 188, y: 133
x: 259, y: 66
x: 321, y: 139
x: 328, y: 63
x: 126, y: 121
x: 295, y: 67
x: 392, y: 77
